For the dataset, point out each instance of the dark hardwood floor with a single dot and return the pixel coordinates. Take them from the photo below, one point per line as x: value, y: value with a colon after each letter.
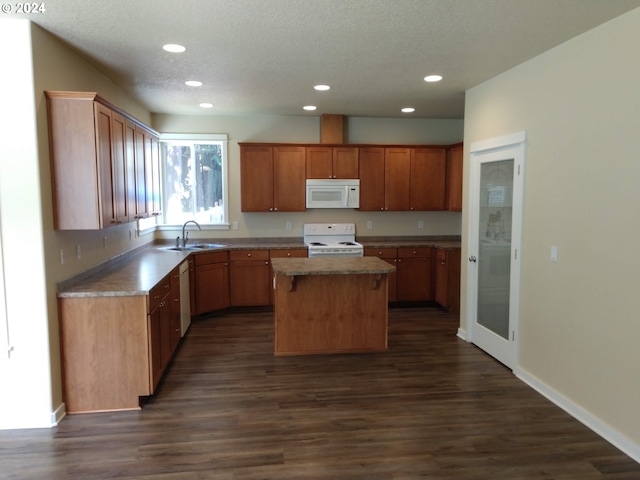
x: 433, y: 407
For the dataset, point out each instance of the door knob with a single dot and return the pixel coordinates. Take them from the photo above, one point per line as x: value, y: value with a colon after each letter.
x: 472, y: 258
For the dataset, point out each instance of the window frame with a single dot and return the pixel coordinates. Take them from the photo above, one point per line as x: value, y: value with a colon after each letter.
x: 221, y: 138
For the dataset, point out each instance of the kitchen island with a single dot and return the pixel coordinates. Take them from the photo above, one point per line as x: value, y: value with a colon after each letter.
x: 330, y: 305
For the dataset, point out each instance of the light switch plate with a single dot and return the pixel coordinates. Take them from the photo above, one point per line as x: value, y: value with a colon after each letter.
x: 554, y: 253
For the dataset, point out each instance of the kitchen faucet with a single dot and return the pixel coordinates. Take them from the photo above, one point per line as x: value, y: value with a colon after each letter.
x: 185, y: 234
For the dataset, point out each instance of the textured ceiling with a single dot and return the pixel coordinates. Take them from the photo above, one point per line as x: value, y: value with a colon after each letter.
x: 263, y: 57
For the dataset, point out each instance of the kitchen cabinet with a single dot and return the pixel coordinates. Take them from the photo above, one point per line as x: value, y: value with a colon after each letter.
x: 372, y: 178
x: 331, y: 162
x: 427, y: 178
x: 272, y: 178
x: 211, y: 284
x: 414, y: 270
x: 447, y: 279
x: 389, y: 255
x: 250, y: 278
x: 454, y: 178
x: 115, y: 349
x: 397, y: 178
x: 402, y: 178
x: 92, y: 161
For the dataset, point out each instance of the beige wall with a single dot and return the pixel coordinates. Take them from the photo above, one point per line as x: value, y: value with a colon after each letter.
x: 579, y: 318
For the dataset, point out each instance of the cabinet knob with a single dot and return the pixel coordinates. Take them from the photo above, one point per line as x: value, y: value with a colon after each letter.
x: 248, y: 254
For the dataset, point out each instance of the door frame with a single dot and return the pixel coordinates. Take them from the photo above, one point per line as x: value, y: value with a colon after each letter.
x: 514, y: 144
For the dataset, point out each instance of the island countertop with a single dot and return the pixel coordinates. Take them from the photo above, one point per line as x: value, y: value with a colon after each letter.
x: 330, y: 266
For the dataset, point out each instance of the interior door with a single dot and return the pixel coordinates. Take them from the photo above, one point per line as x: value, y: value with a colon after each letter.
x: 495, y: 219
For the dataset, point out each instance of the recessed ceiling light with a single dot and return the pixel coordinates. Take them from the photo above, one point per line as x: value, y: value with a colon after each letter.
x: 322, y: 88
x: 173, y: 48
x: 309, y: 107
x: 408, y: 110
x: 206, y: 105
x: 193, y: 83
x: 433, y: 78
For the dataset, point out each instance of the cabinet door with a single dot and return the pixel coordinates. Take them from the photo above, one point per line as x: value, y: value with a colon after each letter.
x: 175, y: 331
x: 256, y: 178
x: 250, y: 278
x: 130, y: 173
x: 454, y: 179
x: 319, y: 162
x: 397, y: 178
x: 442, y: 278
x: 289, y: 186
x: 105, y: 168
x: 119, y: 167
x: 141, y: 208
x: 155, y: 344
x: 371, y: 178
x: 211, y: 287
x: 345, y: 162
x: 152, y: 171
x: 414, y: 274
x: 428, y: 167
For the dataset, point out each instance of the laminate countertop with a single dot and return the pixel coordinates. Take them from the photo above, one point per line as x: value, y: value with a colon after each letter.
x: 138, y: 271
x: 330, y: 266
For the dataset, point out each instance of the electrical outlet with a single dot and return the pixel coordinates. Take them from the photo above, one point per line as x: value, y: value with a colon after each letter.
x: 369, y: 224
x: 554, y: 253
x: 288, y: 225
x: 78, y: 252
x: 235, y: 225
x: 104, y: 242
x: 61, y: 256
x: 420, y: 223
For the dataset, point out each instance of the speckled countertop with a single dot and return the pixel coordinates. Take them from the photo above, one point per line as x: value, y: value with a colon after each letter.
x: 330, y: 266
x: 138, y: 271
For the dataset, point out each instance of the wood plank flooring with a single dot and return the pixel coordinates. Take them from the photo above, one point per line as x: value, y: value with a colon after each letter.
x: 433, y: 407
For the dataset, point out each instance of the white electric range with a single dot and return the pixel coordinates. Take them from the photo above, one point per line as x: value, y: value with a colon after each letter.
x: 332, y: 240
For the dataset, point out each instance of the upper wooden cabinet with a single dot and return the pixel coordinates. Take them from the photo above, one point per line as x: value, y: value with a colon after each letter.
x: 98, y: 178
x: 372, y: 183
x: 427, y: 186
x: 272, y: 178
x: 392, y: 178
x: 332, y: 162
x: 454, y: 178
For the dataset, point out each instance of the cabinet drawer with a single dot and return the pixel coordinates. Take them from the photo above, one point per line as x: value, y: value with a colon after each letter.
x: 417, y: 252
x: 174, y: 278
x: 239, y: 255
x: 157, y: 293
x: 288, y: 253
x: 207, y: 258
x: 381, y: 252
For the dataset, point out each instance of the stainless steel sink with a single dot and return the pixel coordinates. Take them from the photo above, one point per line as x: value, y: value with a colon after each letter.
x: 196, y: 246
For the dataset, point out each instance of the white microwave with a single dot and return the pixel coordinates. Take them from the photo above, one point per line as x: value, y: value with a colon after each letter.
x: 333, y: 193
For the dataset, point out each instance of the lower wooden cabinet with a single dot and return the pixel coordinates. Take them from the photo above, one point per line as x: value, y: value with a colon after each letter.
x: 211, y: 284
x: 448, y: 279
x: 414, y: 270
x: 250, y: 278
x: 115, y: 349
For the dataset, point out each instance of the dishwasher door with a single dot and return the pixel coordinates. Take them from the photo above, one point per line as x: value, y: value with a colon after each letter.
x: 185, y: 307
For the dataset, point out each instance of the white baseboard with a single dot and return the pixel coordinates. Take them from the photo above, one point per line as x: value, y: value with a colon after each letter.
x: 58, y: 414
x: 614, y: 437
x: 462, y: 333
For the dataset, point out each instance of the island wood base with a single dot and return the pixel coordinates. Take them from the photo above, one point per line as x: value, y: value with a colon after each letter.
x: 316, y: 314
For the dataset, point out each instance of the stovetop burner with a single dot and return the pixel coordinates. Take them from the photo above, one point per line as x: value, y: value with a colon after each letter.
x: 318, y: 244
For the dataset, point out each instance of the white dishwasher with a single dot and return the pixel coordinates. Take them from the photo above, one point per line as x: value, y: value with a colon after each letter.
x: 185, y: 299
